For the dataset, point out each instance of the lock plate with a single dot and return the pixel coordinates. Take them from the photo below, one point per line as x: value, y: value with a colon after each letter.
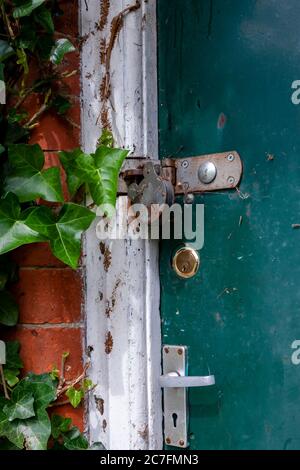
x: 228, y: 172
x: 175, y: 399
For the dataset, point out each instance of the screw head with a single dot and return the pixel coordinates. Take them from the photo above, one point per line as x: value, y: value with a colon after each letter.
x: 167, y: 350
x: 189, y: 198
x: 230, y: 157
x: 181, y: 443
x: 180, y: 352
x: 231, y: 180
x: 185, y: 164
x: 168, y: 441
x: 207, y: 172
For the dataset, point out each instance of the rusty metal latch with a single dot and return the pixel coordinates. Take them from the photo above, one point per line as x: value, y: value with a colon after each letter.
x: 149, y: 181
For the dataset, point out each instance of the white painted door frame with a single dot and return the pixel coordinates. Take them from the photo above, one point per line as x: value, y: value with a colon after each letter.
x: 122, y: 278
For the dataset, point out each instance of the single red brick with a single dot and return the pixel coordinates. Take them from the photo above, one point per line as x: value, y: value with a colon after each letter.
x: 37, y: 254
x: 49, y: 295
x: 42, y: 348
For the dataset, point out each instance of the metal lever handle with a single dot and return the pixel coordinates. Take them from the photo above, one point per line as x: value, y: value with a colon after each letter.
x: 174, y: 380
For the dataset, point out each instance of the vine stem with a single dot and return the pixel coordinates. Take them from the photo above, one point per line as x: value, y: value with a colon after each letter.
x: 4, y: 382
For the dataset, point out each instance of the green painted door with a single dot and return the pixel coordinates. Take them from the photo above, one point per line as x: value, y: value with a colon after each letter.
x: 226, y: 69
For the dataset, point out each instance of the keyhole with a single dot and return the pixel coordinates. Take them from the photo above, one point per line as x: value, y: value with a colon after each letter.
x: 174, y: 416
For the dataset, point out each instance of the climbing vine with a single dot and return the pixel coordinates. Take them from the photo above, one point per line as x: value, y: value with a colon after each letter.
x: 33, y: 209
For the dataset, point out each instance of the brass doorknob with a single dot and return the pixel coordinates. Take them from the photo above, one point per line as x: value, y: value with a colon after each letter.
x: 186, y: 262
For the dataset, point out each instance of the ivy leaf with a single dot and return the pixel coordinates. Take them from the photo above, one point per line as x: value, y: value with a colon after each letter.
x: 43, y: 17
x: 5, y: 50
x: 14, y: 231
x: 13, y: 360
x: 27, y: 178
x: 99, y: 171
x: 25, y: 7
x: 61, y: 104
x: 11, y: 376
x: 35, y: 431
x: 59, y: 425
x: 106, y: 138
x: 61, y: 47
x: 74, y: 440
x: 9, y: 312
x: 64, y: 231
x: 20, y: 406
x: 5, y: 444
x: 68, y: 160
x: 75, y: 396
x: 42, y: 387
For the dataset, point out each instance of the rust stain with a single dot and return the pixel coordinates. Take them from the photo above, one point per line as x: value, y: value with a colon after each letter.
x: 106, y: 48
x: 109, y: 342
x: 104, y: 425
x: 104, y: 12
x: 110, y: 304
x: 105, y: 251
x: 100, y: 405
x: 222, y: 121
x: 144, y: 433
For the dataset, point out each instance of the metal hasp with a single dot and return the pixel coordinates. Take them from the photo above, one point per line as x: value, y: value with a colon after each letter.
x: 175, y: 382
x: 150, y: 182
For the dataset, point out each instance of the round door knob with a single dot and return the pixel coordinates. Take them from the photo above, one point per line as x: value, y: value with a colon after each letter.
x: 207, y: 172
x: 186, y: 262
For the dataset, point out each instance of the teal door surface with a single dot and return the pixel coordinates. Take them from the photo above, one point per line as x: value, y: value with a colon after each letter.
x: 227, y: 80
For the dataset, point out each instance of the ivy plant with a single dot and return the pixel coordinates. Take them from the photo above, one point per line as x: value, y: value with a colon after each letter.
x: 33, y: 209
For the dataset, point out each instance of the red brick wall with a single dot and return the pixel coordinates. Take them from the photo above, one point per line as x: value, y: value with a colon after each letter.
x: 50, y: 295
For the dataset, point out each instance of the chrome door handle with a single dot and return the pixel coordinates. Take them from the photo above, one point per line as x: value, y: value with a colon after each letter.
x: 175, y: 380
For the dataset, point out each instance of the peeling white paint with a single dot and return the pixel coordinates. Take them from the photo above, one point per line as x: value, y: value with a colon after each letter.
x: 127, y: 378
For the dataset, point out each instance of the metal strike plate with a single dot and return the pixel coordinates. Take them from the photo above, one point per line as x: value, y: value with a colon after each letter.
x: 227, y: 175
x: 175, y: 399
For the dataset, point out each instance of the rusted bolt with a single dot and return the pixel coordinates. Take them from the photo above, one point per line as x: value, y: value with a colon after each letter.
x: 168, y: 440
x: 167, y: 350
x: 180, y: 352
x: 181, y: 443
x: 185, y: 164
x: 231, y: 180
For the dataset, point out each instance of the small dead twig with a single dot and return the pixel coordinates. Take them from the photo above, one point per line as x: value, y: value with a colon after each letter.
x: 74, y: 382
x: 4, y: 383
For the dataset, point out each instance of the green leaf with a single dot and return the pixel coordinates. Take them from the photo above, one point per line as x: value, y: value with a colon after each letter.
x: 99, y: 171
x: 42, y: 387
x: 5, y: 444
x: 59, y: 425
x: 22, y: 60
x: 14, y: 231
x: 27, y: 179
x: 64, y: 231
x: 75, y: 396
x: 74, y: 440
x: 43, y: 17
x: 106, y: 139
x: 87, y: 384
x: 9, y: 312
x: 13, y: 360
x: 20, y: 406
x: 35, y: 431
x: 25, y: 7
x: 5, y: 50
x: 11, y: 376
x: 61, y: 104
x: 68, y: 160
x: 2, y: 149
x: 97, y: 446
x: 54, y: 374
x: 61, y: 47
